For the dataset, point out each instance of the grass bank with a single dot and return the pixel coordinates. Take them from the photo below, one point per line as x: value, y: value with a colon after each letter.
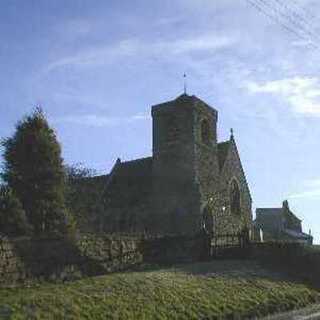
x: 220, y: 289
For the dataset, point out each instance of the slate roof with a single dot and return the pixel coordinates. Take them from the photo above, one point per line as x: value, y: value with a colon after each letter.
x: 130, y: 181
x: 269, y: 211
x: 297, y: 235
x: 273, y: 212
x: 223, y: 149
x: 184, y: 100
x: 135, y: 168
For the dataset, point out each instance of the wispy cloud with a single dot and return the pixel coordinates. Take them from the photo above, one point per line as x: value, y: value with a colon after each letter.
x: 312, y: 190
x: 74, y: 28
x: 301, y: 93
x: 135, y: 47
x: 315, y: 183
x: 306, y: 194
x: 95, y: 56
x: 93, y: 120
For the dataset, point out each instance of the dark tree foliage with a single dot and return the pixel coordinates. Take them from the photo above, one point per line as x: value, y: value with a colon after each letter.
x: 84, y: 197
x: 33, y: 169
x: 13, y: 219
x: 77, y: 172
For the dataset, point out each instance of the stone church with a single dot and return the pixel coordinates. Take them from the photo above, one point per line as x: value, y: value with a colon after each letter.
x: 190, y: 182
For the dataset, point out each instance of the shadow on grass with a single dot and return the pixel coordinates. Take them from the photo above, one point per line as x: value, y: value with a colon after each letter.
x: 247, y: 269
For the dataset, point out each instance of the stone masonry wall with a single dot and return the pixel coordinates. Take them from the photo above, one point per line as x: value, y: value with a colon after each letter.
x: 185, y: 167
x: 206, y: 157
x: 226, y: 222
x: 24, y: 259
x: 174, y: 193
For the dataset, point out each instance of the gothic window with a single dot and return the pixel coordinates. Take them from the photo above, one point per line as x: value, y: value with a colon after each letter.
x: 205, y: 131
x: 234, y: 197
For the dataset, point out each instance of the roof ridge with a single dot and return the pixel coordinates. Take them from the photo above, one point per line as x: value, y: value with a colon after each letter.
x: 136, y: 160
x: 271, y: 208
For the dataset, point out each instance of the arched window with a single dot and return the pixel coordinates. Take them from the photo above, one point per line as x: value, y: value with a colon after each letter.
x: 234, y: 197
x: 205, y: 131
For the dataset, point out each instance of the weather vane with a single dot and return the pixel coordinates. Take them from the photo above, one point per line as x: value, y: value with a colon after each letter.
x: 184, y: 83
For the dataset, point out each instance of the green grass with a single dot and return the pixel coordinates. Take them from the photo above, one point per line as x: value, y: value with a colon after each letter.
x: 221, y: 289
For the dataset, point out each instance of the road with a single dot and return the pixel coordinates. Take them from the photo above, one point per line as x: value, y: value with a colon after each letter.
x: 310, y: 313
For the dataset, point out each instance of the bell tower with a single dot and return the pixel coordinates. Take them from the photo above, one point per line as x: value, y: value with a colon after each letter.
x: 185, y: 163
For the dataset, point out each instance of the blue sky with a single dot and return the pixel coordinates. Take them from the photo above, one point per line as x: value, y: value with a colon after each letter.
x: 96, y: 67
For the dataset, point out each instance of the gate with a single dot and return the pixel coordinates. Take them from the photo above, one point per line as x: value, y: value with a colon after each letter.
x: 233, y: 245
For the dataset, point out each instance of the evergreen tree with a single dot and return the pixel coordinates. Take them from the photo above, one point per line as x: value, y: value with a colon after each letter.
x: 13, y: 219
x: 33, y: 169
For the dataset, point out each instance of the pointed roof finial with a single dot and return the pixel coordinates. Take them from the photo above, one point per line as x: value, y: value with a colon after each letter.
x: 231, y: 133
x: 184, y: 83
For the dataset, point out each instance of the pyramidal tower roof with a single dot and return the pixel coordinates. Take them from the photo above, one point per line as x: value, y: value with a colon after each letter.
x: 183, y: 101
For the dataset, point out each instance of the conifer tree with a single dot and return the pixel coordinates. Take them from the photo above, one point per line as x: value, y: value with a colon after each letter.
x: 33, y: 169
x: 13, y: 220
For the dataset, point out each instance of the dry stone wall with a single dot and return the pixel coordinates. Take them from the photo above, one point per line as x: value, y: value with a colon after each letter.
x: 12, y: 267
x: 24, y: 259
x: 111, y: 253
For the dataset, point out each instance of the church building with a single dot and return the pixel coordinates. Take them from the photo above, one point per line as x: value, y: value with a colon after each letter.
x: 191, y: 182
